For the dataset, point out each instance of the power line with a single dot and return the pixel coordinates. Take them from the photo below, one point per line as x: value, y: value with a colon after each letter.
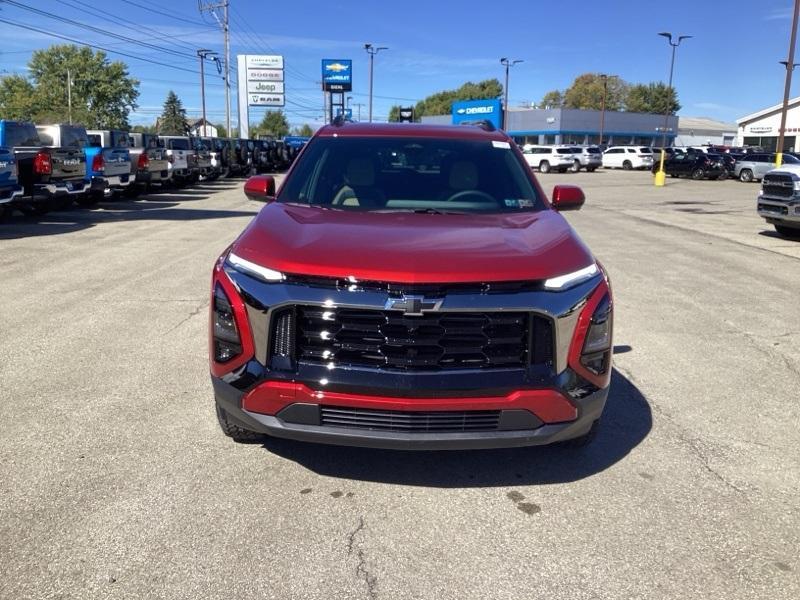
x: 166, y: 14
x: 99, y: 30
x: 97, y: 47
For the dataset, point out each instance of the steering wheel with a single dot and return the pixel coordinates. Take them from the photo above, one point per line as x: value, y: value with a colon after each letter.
x: 463, y: 193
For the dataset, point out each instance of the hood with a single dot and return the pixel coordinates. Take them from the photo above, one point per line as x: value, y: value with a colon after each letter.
x: 792, y: 169
x: 410, y: 247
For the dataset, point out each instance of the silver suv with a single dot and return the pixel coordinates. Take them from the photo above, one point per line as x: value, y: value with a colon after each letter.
x: 753, y: 167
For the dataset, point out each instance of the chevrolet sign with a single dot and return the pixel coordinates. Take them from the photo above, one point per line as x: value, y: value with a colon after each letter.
x: 475, y: 110
x: 337, y: 75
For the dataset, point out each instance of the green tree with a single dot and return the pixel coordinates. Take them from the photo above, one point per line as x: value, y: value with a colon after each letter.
x: 16, y: 98
x: 586, y: 93
x: 144, y: 129
x: 441, y: 103
x: 653, y: 97
x: 274, y: 123
x: 173, y: 118
x: 221, y: 131
x: 394, y: 114
x: 102, y: 92
x: 304, y: 130
x: 552, y: 99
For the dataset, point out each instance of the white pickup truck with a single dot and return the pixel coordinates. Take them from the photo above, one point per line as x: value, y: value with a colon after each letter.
x: 181, y: 156
x: 779, y: 199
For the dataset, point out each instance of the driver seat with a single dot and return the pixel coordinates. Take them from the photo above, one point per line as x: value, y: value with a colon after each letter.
x: 360, y: 187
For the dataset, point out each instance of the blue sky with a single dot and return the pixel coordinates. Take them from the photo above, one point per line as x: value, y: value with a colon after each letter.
x: 729, y: 69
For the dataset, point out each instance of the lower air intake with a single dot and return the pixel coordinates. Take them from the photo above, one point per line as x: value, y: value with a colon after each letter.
x: 412, y: 421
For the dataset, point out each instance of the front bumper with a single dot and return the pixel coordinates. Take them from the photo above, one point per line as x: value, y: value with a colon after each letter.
x: 300, y: 420
x: 545, y: 402
x: 780, y: 212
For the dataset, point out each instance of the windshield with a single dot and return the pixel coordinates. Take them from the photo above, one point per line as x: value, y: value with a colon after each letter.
x: 411, y: 174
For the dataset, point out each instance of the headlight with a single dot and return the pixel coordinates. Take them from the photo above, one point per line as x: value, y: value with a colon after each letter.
x: 251, y: 268
x: 570, y: 279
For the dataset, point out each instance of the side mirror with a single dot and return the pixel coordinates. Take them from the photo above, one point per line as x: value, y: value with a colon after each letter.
x: 261, y: 188
x: 568, y: 197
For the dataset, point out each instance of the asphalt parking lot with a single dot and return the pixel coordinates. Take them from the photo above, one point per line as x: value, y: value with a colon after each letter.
x: 115, y: 481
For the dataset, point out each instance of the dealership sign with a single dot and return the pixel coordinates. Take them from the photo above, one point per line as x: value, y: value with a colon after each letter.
x: 760, y: 129
x: 265, y: 87
x: 260, y: 83
x: 477, y: 110
x: 337, y: 75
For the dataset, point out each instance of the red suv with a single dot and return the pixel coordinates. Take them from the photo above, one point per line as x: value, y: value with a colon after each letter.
x: 412, y: 287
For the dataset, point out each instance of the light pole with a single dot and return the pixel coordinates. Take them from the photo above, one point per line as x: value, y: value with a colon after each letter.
x: 372, y: 51
x: 661, y: 177
x: 69, y: 95
x: 790, y: 65
x: 359, y: 105
x: 202, y: 54
x: 605, y: 78
x: 507, y: 63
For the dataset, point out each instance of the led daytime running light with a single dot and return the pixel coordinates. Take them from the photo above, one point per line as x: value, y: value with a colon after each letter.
x: 251, y: 268
x: 570, y: 279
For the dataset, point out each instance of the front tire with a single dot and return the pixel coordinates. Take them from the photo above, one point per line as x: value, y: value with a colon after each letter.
x: 544, y: 167
x: 698, y: 174
x: 576, y: 166
x: 238, y: 434
x: 745, y: 176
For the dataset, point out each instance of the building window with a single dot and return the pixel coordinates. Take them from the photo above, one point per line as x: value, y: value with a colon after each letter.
x: 549, y: 139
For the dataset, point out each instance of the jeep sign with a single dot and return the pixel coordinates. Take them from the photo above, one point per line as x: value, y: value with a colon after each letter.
x: 477, y: 110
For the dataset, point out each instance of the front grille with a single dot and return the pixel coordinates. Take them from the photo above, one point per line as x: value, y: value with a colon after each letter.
x: 448, y: 340
x: 773, y: 208
x: 415, y: 422
x: 424, y: 289
x: 778, y: 185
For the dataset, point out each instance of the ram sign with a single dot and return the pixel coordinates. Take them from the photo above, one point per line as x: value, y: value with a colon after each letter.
x: 478, y: 110
x: 337, y: 75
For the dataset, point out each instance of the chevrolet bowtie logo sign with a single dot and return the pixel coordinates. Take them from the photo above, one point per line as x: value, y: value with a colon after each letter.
x: 413, y: 305
x: 336, y: 67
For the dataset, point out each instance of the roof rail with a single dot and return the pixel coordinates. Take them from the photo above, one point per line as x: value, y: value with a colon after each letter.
x: 484, y: 124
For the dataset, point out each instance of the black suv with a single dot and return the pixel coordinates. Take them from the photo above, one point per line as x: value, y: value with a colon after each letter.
x: 696, y: 165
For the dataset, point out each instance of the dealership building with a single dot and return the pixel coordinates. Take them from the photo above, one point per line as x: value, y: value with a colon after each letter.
x: 573, y: 126
x: 762, y: 128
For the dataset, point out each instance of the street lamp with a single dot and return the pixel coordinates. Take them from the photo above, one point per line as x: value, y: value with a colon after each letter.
x: 661, y: 177
x: 605, y: 78
x: 203, y: 54
x: 790, y: 65
x: 372, y: 51
x: 507, y: 63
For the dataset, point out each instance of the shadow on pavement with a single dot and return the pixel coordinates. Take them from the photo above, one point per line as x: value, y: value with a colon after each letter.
x: 626, y: 422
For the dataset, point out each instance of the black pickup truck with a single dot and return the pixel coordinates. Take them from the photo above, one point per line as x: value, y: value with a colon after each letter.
x: 50, y: 176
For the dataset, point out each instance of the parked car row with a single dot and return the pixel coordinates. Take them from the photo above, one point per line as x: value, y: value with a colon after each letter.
x: 573, y: 158
x: 46, y: 167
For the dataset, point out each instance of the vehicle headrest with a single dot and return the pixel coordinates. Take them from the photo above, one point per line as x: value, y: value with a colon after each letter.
x: 360, y: 172
x: 463, y: 175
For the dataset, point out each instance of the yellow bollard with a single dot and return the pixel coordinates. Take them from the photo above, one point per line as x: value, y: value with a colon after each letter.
x: 661, y: 176
x: 778, y: 159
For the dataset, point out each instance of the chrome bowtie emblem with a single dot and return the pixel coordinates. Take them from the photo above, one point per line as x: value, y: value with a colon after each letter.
x: 413, y: 305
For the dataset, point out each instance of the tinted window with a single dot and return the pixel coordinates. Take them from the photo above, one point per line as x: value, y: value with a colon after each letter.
x: 178, y: 144
x: 407, y: 174
x: 73, y: 137
x: 789, y: 159
x: 593, y: 150
x: 645, y: 151
x: 21, y: 134
x: 95, y: 140
x: 45, y: 138
x: 119, y: 139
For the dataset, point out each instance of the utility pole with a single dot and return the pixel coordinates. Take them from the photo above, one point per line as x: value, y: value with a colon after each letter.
x: 507, y: 63
x: 661, y: 176
x: 358, y: 105
x: 203, y: 54
x: 205, y: 6
x: 790, y: 65
x: 604, y: 77
x: 69, y: 95
x: 372, y: 51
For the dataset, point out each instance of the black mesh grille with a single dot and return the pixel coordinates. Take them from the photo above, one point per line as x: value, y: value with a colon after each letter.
x: 778, y: 185
x: 392, y: 340
x: 418, y: 422
x: 284, y: 334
